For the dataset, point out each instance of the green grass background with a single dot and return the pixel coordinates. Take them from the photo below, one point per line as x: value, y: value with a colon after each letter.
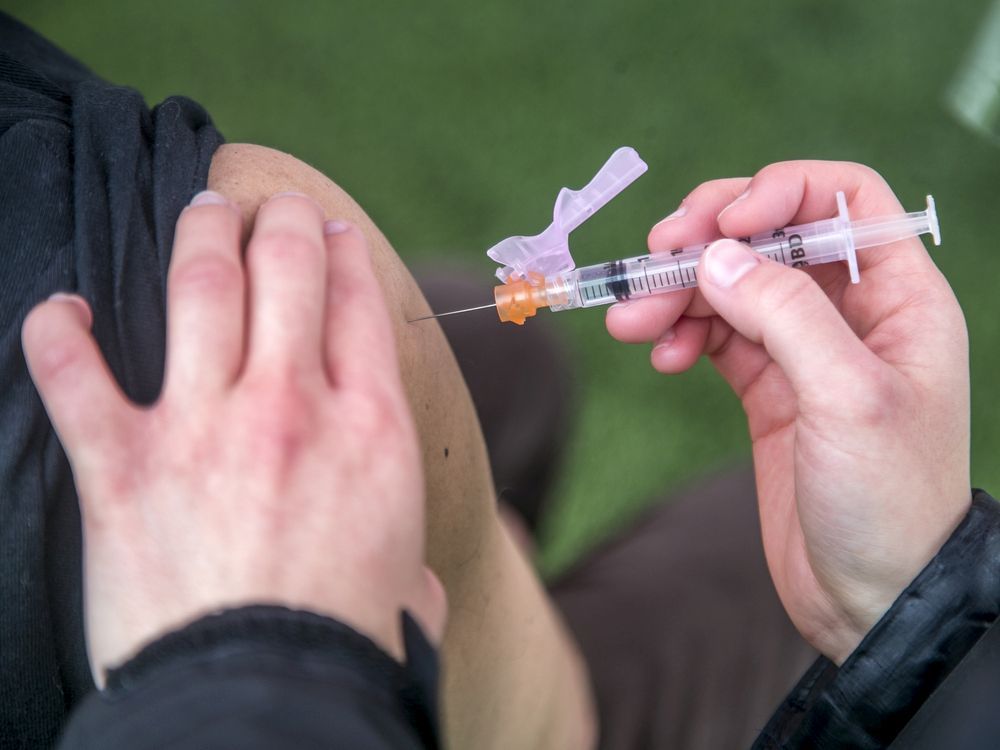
x: 455, y: 124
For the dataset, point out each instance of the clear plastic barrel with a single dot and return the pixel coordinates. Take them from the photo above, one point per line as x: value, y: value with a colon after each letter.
x: 796, y: 246
x: 620, y: 280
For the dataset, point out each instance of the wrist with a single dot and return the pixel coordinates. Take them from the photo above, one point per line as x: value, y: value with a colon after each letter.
x: 908, y: 654
x: 864, y: 602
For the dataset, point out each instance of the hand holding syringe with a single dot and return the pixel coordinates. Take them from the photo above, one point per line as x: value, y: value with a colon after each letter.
x: 539, y: 271
x: 856, y: 396
x: 811, y: 244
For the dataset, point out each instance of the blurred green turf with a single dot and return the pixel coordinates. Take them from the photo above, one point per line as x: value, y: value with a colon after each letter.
x: 456, y: 123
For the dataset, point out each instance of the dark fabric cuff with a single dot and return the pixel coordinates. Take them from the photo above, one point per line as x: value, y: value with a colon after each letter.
x: 907, y: 654
x: 310, y: 645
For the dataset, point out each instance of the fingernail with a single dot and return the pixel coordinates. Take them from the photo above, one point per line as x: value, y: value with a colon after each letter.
x: 727, y: 261
x: 620, y: 305
x: 81, y: 307
x: 741, y: 197
x: 209, y: 198
x: 666, y: 339
x: 681, y: 211
x: 335, y: 226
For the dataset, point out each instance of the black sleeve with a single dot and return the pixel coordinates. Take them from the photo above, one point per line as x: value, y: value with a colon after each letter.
x: 92, y: 181
x: 262, y: 678
x: 915, y: 656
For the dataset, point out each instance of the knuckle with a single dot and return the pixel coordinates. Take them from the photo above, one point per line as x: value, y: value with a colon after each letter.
x: 790, y: 289
x: 870, y: 189
x: 867, y: 173
x: 379, y: 415
x: 206, y: 272
x: 115, y: 486
x: 281, y: 393
x: 283, y: 422
x: 223, y: 222
x: 779, y: 170
x: 52, y: 354
x: 60, y: 359
x: 293, y: 201
x: 285, y: 246
x: 711, y: 190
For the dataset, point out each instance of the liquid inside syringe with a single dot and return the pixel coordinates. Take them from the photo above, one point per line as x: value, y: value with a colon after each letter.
x: 824, y: 241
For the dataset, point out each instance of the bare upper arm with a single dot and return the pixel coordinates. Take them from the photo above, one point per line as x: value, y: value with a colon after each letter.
x: 512, y: 676
x: 459, y: 488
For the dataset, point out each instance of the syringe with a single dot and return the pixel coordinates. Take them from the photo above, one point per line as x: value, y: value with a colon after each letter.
x: 824, y: 241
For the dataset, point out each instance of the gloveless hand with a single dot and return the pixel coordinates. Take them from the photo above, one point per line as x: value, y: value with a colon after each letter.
x: 280, y: 464
x: 857, y: 396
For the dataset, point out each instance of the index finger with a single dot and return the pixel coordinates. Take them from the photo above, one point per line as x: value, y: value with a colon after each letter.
x: 647, y: 318
x: 798, y: 192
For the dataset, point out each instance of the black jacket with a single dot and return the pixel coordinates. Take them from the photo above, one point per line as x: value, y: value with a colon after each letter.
x: 926, y: 676
x: 262, y: 678
x: 928, y: 673
x: 92, y: 184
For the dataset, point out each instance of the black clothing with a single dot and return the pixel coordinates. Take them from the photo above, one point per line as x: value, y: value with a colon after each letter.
x: 264, y: 678
x: 908, y: 654
x: 962, y: 713
x: 258, y: 679
x: 688, y: 647
x: 91, y: 184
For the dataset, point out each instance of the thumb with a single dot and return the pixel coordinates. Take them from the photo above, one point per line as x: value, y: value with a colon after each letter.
x: 79, y: 393
x: 787, y: 312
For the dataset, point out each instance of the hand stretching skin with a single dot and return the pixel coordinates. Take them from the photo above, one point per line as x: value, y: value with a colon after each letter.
x: 857, y: 396
x: 280, y: 464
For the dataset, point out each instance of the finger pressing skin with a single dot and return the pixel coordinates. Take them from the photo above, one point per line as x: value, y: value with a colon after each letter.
x: 205, y: 297
x: 80, y: 394
x: 359, y: 344
x: 286, y: 265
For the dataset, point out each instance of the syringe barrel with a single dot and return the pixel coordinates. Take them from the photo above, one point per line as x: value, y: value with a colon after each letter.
x: 796, y: 246
x: 676, y: 269
x: 805, y: 244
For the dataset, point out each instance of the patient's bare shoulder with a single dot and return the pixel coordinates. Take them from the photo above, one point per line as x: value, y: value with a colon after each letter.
x: 513, y: 677
x: 249, y: 175
x: 458, y: 479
